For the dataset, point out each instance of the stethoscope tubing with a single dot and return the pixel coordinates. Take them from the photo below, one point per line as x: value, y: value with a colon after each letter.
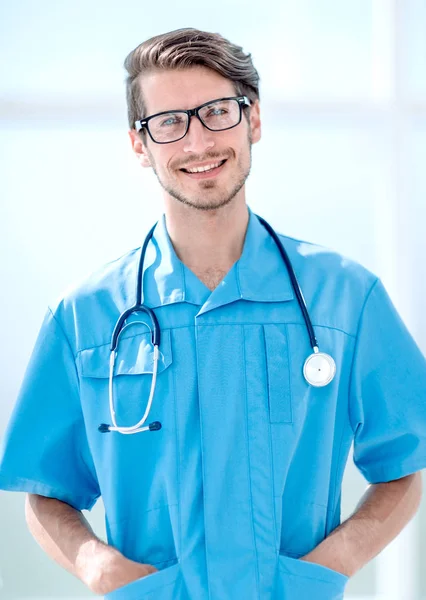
x: 314, y: 364
x: 296, y: 287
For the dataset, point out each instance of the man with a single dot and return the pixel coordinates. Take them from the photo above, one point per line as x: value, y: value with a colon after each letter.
x: 237, y: 495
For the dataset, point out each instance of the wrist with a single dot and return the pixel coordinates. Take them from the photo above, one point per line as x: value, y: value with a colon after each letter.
x: 330, y: 555
x: 94, y: 560
x: 329, y: 558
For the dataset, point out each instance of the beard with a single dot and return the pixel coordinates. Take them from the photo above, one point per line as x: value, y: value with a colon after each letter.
x: 202, y: 199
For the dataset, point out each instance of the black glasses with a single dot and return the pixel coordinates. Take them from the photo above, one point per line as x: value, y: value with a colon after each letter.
x: 216, y: 115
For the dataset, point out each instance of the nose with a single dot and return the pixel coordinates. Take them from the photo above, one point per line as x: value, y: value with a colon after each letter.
x: 199, y: 138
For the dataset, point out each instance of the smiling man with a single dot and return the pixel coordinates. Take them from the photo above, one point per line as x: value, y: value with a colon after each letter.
x: 199, y: 148
x: 254, y: 392
x: 208, y: 239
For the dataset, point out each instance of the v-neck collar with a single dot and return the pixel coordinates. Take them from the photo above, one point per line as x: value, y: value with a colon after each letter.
x: 259, y: 275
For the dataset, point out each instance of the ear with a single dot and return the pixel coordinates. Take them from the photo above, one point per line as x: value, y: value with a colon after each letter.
x: 138, y: 148
x: 255, y: 123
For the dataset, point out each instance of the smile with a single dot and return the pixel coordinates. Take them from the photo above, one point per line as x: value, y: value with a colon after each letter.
x: 205, y: 174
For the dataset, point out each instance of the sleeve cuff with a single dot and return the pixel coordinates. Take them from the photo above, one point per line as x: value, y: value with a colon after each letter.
x: 18, y: 484
x: 384, y: 473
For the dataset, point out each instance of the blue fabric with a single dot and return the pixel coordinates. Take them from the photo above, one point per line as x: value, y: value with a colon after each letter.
x: 245, y: 475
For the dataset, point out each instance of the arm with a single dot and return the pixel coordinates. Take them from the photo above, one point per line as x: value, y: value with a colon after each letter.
x: 381, y: 514
x: 66, y: 536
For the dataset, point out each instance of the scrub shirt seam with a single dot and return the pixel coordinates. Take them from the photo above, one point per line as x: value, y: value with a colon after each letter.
x: 182, y: 270
x: 177, y: 460
x: 367, y: 296
x: 290, y: 382
x: 276, y: 323
x: 202, y: 465
x: 330, y: 511
x: 127, y: 337
x: 271, y: 454
x: 126, y: 519
x: 212, y: 325
x: 237, y: 277
x: 330, y: 514
x: 248, y: 455
x: 66, y: 338
x: 93, y: 475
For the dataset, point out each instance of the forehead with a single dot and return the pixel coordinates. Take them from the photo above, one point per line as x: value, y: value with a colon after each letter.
x: 183, y: 88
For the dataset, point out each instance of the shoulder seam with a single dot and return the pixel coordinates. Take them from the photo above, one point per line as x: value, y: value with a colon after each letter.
x: 59, y: 324
x: 367, y: 296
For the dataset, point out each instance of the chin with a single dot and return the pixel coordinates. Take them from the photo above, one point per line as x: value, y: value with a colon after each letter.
x: 213, y: 203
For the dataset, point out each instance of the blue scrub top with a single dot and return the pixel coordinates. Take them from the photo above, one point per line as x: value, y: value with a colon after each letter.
x: 245, y: 475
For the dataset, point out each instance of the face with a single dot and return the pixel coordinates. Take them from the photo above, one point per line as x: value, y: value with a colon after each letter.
x: 184, y: 89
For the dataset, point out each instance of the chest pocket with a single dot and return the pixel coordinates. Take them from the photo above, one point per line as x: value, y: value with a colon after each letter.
x: 278, y: 373
x: 131, y: 382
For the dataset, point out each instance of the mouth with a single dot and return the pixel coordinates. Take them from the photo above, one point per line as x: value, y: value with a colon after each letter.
x: 205, y: 174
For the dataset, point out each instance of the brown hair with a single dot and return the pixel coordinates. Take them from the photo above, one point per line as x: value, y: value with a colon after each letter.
x: 184, y: 48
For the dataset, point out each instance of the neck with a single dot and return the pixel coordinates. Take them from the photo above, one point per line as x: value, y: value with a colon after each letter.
x: 205, y: 240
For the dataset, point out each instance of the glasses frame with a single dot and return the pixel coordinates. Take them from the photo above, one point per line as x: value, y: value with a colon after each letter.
x: 243, y: 102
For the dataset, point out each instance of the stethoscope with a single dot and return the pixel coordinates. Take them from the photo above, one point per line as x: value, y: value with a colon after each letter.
x: 318, y: 370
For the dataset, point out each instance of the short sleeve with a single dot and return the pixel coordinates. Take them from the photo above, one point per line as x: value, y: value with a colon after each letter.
x: 387, y: 393
x: 45, y: 449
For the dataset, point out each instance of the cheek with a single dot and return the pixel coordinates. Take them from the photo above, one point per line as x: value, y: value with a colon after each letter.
x: 165, y: 163
x: 243, y: 156
x: 159, y: 159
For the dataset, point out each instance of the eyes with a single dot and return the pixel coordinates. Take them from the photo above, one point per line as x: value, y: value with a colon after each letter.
x: 177, y: 119
x: 173, y: 125
x: 172, y: 121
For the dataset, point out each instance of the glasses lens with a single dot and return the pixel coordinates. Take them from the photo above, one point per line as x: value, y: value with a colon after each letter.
x: 221, y: 114
x: 218, y: 115
x: 168, y: 127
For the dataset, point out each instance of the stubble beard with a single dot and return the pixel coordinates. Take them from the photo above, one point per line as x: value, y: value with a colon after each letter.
x: 202, y: 201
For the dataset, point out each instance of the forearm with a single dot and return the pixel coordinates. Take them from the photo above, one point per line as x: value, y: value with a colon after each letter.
x: 383, y: 511
x: 66, y: 536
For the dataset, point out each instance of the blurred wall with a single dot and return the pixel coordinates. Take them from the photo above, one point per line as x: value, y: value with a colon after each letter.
x: 340, y: 163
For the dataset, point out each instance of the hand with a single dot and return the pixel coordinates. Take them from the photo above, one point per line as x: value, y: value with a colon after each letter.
x: 116, y: 572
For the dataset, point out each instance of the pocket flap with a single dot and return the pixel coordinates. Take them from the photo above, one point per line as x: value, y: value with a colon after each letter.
x: 135, y: 356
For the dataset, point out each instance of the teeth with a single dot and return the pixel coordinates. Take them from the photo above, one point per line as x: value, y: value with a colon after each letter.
x: 201, y: 169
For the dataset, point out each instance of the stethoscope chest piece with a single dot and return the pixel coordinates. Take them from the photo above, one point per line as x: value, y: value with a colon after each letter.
x: 319, y: 369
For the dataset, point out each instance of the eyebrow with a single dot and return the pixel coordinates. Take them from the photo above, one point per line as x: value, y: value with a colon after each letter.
x: 184, y: 109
